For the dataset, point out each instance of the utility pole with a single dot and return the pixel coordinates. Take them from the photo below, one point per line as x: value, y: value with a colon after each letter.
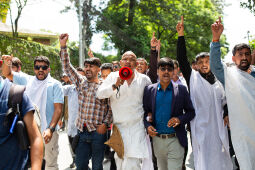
x: 81, y: 57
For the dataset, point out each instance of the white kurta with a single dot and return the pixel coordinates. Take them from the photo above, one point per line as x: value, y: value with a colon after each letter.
x: 240, y: 93
x: 209, y: 135
x: 128, y: 112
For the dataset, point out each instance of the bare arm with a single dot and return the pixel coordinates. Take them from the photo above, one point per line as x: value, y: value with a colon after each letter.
x: 36, y: 141
x: 47, y: 134
x: 57, y: 114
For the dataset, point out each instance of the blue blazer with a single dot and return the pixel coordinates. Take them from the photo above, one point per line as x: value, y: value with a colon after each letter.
x: 180, y: 102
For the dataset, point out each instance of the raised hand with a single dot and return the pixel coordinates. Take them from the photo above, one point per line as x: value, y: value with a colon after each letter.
x: 63, y: 40
x: 7, y: 59
x: 180, y: 27
x: 217, y: 29
x: 154, y: 42
x: 90, y: 53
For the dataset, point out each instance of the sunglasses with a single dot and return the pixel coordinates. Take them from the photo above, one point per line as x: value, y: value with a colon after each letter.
x: 36, y: 67
x: 163, y: 69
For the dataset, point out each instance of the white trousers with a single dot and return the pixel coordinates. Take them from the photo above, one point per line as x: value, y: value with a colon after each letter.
x: 128, y: 163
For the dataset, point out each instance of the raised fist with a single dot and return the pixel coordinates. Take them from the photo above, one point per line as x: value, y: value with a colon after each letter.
x: 180, y: 27
x: 7, y: 59
x: 217, y: 29
x: 63, y: 39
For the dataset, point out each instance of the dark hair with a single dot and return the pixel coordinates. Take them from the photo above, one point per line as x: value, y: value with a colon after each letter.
x: 176, y: 63
x: 93, y: 61
x: 42, y: 59
x: 166, y: 62
x: 142, y: 59
x: 16, y: 62
x: 202, y: 55
x: 106, y: 66
x: 239, y: 47
x: 80, y: 69
x: 193, y: 62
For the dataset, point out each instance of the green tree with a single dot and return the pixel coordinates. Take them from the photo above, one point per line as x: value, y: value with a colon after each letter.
x: 4, y: 6
x: 20, y: 6
x: 252, y: 44
x: 129, y: 24
x: 250, y: 4
x: 88, y: 14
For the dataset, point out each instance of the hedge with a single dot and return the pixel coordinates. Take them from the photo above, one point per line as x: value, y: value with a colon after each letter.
x: 26, y: 51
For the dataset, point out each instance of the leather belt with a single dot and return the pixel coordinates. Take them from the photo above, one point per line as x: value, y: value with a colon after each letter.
x: 166, y: 136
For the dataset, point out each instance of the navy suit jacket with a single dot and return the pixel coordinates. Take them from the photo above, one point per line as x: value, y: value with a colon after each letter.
x: 180, y: 102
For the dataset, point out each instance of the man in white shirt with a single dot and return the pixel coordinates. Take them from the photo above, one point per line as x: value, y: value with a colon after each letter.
x: 127, y: 107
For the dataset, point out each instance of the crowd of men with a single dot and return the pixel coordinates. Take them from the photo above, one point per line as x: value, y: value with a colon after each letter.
x: 152, y: 110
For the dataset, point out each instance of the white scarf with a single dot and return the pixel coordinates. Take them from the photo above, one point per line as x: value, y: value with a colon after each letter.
x: 37, y: 93
x: 240, y: 92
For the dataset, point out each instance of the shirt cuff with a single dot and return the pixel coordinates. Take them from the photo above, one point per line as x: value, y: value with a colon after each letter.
x: 215, y: 44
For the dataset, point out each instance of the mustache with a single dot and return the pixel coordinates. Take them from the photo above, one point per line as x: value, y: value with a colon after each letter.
x: 244, y: 60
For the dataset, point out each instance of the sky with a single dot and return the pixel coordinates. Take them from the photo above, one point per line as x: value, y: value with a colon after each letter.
x: 45, y: 14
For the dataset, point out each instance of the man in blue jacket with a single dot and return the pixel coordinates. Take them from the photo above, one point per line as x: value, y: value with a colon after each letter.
x: 166, y: 103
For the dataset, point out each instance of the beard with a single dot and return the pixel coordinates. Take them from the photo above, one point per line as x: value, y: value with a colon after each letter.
x: 44, y: 76
x: 244, y: 67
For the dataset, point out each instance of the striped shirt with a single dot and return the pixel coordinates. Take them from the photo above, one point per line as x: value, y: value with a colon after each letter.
x: 92, y: 111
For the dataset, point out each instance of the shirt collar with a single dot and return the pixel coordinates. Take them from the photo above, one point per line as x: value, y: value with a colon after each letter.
x: 169, y: 87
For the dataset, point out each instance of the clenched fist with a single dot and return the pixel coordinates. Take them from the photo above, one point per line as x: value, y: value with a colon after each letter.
x: 63, y: 39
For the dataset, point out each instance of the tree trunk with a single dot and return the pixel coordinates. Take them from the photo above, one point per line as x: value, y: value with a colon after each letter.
x: 131, y: 12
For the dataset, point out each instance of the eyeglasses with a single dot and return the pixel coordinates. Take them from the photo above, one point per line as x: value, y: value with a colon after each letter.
x: 36, y: 67
x: 163, y: 69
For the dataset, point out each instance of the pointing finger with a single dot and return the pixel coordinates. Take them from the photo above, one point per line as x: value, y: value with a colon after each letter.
x: 219, y: 19
x: 153, y: 34
x: 182, y: 20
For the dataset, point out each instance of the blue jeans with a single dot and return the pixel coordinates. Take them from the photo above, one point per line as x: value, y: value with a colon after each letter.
x: 91, y: 144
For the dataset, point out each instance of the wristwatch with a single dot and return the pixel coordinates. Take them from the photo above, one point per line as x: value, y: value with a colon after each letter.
x: 52, y: 129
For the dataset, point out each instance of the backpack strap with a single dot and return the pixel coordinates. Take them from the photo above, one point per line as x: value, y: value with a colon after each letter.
x: 15, y: 98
